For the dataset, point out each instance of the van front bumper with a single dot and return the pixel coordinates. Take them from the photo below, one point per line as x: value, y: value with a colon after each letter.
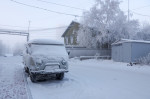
x: 56, y: 71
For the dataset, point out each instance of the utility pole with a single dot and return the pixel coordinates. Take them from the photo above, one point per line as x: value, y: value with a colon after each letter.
x: 128, y: 12
x: 75, y: 19
x: 28, y: 31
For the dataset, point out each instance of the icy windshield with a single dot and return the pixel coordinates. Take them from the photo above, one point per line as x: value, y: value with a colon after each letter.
x: 52, y: 50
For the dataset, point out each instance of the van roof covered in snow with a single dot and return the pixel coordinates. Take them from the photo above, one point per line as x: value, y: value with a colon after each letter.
x: 129, y: 41
x: 45, y: 41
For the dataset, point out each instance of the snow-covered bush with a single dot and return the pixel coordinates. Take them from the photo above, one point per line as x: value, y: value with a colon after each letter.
x: 144, y: 60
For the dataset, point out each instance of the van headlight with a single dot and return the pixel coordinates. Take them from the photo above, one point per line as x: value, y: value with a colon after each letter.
x: 38, y: 65
x: 38, y: 62
x: 64, y: 62
x: 32, y: 63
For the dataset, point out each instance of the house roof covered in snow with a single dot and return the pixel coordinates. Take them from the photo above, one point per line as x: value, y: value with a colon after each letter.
x: 129, y: 41
x: 72, y: 24
x: 45, y: 41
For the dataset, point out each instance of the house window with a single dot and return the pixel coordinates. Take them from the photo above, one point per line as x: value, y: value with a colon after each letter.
x: 66, y: 40
x: 71, y: 39
x: 73, y: 32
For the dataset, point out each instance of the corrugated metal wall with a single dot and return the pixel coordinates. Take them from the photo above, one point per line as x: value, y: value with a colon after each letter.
x: 121, y: 52
x: 126, y: 57
x: 116, y: 52
x: 139, y: 50
x: 130, y: 51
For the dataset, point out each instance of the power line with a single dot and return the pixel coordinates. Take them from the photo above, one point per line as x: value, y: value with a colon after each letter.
x: 141, y: 7
x: 39, y: 29
x: 138, y: 8
x: 13, y: 32
x: 12, y: 26
x: 140, y: 14
x: 45, y: 9
x: 25, y: 27
x: 61, y: 5
x: 44, y: 29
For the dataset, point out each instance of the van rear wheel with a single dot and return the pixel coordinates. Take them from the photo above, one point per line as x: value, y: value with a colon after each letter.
x: 60, y: 76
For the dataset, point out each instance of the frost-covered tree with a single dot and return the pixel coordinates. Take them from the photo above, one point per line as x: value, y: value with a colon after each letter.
x: 86, y: 37
x: 144, y: 33
x: 109, y: 21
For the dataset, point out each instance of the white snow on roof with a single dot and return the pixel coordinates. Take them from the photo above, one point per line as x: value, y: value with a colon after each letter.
x: 129, y: 40
x: 44, y: 41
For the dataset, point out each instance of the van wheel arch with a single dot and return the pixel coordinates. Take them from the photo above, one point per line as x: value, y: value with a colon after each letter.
x: 60, y: 76
x: 33, y: 77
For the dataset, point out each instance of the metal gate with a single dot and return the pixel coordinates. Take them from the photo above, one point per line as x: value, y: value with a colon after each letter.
x: 14, y: 32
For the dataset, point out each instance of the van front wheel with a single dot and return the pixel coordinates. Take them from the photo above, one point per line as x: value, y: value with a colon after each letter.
x: 26, y: 69
x: 32, y: 77
x: 60, y: 76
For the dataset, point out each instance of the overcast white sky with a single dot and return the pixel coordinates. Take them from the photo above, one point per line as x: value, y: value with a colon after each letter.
x: 14, y: 14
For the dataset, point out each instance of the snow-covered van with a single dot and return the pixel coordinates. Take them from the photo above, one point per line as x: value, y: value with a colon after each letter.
x: 44, y: 59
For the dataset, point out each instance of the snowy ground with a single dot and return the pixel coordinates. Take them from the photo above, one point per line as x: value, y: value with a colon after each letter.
x: 93, y: 79
x: 89, y: 79
x: 12, y: 82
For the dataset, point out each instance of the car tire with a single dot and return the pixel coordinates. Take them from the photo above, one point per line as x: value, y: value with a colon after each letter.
x: 26, y: 69
x: 32, y: 77
x: 60, y: 76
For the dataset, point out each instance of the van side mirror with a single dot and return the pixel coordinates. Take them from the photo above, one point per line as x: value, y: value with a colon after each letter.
x: 26, y: 50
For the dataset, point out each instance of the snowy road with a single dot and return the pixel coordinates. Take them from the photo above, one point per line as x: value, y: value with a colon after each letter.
x: 93, y: 79
x: 90, y: 79
x: 12, y: 82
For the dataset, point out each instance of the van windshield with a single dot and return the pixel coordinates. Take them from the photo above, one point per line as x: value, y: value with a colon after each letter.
x: 52, y: 50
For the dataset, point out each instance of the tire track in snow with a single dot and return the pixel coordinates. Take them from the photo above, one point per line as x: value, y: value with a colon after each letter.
x: 27, y: 85
x: 87, y: 87
x: 80, y: 86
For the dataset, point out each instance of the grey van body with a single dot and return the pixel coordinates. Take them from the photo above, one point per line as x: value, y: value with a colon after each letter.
x: 45, y: 58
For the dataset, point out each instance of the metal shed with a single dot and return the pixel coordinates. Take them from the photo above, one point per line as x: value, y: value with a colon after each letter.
x: 127, y: 50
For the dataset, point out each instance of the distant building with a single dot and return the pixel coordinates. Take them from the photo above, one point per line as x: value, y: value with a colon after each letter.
x: 70, y: 35
x: 127, y: 50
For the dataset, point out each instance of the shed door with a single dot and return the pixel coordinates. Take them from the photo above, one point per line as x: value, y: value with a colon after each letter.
x: 117, y: 53
x: 127, y: 52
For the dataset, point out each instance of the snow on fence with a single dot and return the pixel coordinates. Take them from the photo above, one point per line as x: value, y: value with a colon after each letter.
x: 94, y: 57
x: 77, y: 52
